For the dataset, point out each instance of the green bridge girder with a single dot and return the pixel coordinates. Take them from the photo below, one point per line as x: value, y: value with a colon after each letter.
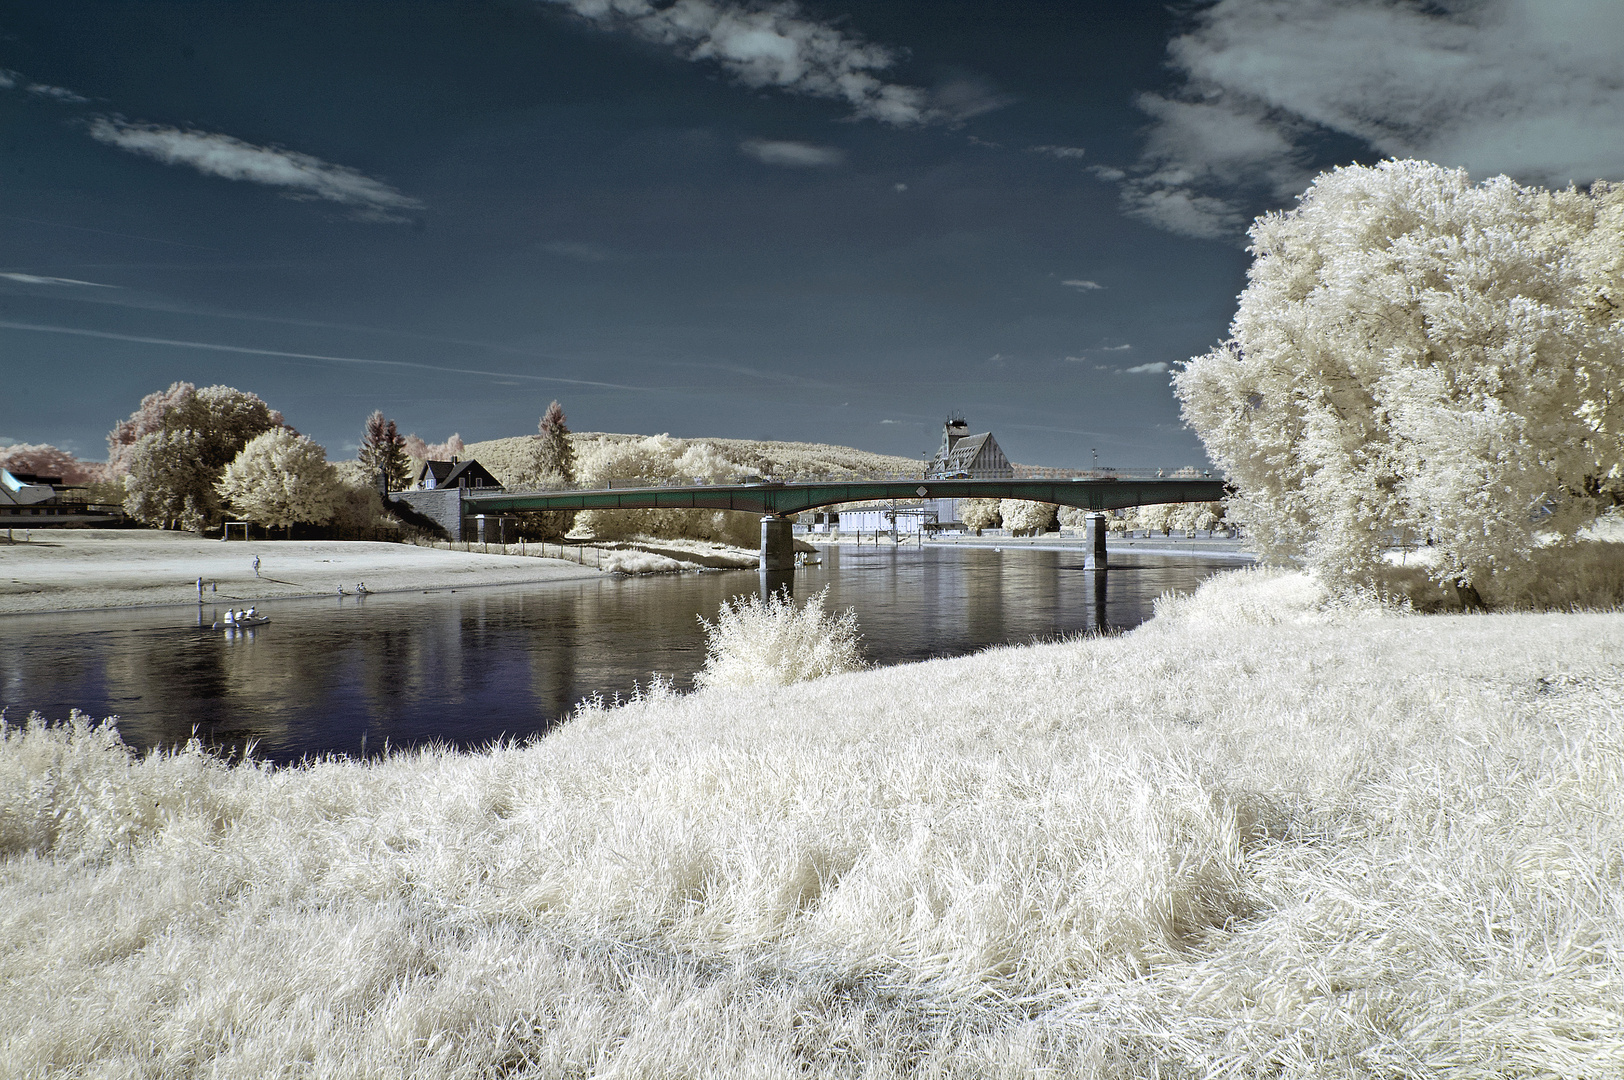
x: 792, y: 498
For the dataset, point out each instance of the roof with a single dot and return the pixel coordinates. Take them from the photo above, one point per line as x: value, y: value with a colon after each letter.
x: 973, y: 454
x: 455, y: 473
x: 15, y: 491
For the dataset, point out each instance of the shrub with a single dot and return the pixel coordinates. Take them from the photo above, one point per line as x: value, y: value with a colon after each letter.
x: 771, y: 642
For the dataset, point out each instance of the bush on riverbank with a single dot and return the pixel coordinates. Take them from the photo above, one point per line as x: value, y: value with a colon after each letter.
x: 1309, y: 841
x: 771, y: 642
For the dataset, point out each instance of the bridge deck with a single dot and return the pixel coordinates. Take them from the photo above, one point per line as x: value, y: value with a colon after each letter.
x: 793, y: 497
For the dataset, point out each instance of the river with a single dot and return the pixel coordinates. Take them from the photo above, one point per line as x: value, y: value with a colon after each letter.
x: 468, y: 666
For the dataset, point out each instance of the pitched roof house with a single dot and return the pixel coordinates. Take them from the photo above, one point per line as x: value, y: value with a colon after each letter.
x: 441, y: 474
x: 977, y: 457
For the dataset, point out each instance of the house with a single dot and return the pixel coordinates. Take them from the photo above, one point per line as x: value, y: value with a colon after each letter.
x: 908, y: 518
x: 966, y: 456
x: 29, y: 500
x: 431, y: 475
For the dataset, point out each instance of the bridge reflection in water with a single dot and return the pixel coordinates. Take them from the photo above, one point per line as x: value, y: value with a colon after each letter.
x: 984, y: 601
x: 465, y: 666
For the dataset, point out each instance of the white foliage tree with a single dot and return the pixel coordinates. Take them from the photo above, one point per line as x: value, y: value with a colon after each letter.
x: 1415, y: 355
x: 656, y: 458
x: 1022, y: 516
x: 979, y: 514
x: 281, y: 479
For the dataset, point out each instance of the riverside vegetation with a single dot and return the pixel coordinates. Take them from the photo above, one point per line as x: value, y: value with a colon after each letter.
x: 1269, y: 833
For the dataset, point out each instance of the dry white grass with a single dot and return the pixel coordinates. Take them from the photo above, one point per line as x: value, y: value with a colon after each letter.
x: 632, y: 561
x: 1299, y: 843
x: 770, y: 641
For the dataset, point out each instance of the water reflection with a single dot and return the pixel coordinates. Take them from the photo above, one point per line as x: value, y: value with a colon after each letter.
x: 469, y: 666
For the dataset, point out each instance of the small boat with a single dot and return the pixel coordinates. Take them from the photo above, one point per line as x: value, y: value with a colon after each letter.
x: 241, y: 620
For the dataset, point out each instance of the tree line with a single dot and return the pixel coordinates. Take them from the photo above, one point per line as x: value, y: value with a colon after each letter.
x: 189, y: 458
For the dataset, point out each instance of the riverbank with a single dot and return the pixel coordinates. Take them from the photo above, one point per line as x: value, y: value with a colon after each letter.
x: 1261, y: 835
x: 85, y: 569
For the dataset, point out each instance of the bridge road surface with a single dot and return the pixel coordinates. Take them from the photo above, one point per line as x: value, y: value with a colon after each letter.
x: 775, y: 499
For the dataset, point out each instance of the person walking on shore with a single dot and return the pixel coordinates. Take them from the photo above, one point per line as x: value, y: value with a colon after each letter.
x: 256, y: 566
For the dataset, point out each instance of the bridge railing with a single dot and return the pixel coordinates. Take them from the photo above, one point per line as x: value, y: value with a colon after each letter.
x: 1023, y: 473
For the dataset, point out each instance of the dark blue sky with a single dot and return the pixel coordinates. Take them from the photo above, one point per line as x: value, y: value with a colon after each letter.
x: 835, y: 222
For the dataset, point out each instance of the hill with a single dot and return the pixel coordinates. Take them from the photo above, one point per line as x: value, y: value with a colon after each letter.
x: 509, y: 458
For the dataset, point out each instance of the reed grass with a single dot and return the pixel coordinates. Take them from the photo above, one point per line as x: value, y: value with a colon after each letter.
x: 1260, y: 836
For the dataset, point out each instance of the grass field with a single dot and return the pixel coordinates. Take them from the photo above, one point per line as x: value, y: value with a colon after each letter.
x: 1258, y: 836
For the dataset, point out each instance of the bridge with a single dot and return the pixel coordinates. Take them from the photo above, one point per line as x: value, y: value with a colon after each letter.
x: 775, y: 499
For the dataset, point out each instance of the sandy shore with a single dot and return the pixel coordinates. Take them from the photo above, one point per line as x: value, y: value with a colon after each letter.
x: 79, y: 569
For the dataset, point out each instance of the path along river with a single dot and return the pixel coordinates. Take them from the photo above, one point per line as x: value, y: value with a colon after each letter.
x: 353, y: 676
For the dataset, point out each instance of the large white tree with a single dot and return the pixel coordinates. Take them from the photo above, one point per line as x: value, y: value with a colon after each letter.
x: 281, y: 479
x: 1418, y: 355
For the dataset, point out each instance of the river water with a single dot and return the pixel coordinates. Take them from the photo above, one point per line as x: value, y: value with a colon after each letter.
x: 468, y: 666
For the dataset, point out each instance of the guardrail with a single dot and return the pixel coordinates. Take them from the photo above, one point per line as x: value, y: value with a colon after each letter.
x: 1032, y: 473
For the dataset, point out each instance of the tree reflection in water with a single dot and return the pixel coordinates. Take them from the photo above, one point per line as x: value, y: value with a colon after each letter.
x: 465, y: 667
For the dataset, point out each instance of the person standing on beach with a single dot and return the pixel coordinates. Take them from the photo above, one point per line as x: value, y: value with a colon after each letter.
x: 256, y: 566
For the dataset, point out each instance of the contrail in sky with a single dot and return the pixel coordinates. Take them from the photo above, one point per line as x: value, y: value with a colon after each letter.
x: 211, y: 347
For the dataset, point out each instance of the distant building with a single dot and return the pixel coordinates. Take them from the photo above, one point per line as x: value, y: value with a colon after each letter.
x: 29, y: 500
x: 908, y: 519
x: 432, y: 475
x: 971, y: 457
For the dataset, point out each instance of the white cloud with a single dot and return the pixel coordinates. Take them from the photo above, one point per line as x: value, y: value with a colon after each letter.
x: 221, y: 155
x: 1115, y: 348
x: 1530, y: 88
x: 11, y: 80
x: 1061, y: 153
x: 1106, y: 173
x: 795, y: 155
x: 899, y: 187
x: 1084, y: 286
x: 1155, y: 368
x: 776, y: 46
x: 35, y: 279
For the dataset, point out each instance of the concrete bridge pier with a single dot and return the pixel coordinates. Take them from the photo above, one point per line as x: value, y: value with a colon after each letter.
x: 777, y: 544
x: 1094, y: 553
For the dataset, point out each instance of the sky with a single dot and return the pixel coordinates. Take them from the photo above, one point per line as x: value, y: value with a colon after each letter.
x: 827, y: 221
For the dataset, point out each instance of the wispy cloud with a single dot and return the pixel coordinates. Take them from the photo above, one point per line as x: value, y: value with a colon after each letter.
x: 965, y: 96
x: 795, y: 155
x: 11, y: 80
x: 580, y: 252
x: 242, y: 350
x: 1115, y: 348
x: 771, y: 45
x: 1060, y: 153
x: 1525, y: 87
x: 1083, y: 286
x: 1155, y: 368
x: 299, y: 175
x: 36, y: 279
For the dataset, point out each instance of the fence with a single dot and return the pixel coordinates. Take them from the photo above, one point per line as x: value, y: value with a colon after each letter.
x: 583, y: 554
